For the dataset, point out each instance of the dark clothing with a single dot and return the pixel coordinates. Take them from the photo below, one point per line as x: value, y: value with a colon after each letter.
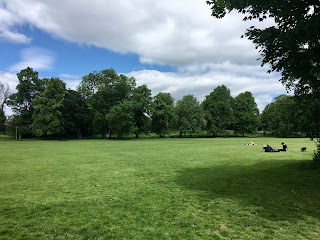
x: 284, y: 148
x: 268, y: 149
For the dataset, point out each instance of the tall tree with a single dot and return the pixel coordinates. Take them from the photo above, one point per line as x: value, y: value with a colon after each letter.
x: 162, y: 113
x: 103, y: 90
x: 77, y: 115
x: 190, y: 115
x: 306, y: 113
x: 4, y: 95
x: 121, y: 118
x: 29, y: 87
x: 48, y: 119
x: 141, y: 99
x: 218, y: 110
x: 279, y: 118
x: 292, y: 45
x: 246, y: 114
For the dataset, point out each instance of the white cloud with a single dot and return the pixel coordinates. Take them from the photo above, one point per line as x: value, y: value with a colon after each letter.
x: 201, y: 81
x: 69, y: 76
x: 207, y: 51
x: 180, y: 32
x: 36, y: 58
x: 8, y: 21
x: 72, y: 84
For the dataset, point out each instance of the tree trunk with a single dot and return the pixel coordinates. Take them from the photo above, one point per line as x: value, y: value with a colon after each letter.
x: 78, y: 131
x: 103, y: 135
x: 180, y: 134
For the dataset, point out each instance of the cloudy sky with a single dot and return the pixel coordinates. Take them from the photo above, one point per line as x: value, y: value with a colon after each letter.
x: 171, y: 46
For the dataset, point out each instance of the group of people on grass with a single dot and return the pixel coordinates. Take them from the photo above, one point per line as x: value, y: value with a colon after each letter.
x: 268, y: 148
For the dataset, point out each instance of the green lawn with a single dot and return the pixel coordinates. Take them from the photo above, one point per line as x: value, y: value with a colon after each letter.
x: 158, y: 189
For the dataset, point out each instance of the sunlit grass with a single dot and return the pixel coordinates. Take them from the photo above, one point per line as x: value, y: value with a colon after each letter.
x: 158, y: 189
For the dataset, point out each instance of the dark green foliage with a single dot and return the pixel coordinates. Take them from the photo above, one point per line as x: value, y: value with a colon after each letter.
x: 48, y: 119
x: 278, y: 117
x: 306, y: 115
x: 246, y: 114
x: 103, y: 90
x: 190, y: 115
x: 218, y: 110
x: 141, y: 99
x: 162, y: 113
x: 288, y: 115
x: 29, y: 87
x: 77, y: 115
x: 292, y: 46
x: 121, y: 118
x: 2, y: 121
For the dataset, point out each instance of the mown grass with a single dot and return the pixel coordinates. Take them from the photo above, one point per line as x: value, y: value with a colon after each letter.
x: 156, y: 188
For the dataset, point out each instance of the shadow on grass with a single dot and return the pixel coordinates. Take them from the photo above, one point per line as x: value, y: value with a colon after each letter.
x: 275, y: 190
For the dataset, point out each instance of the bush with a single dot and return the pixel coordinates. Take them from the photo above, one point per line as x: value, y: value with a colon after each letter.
x: 316, y: 156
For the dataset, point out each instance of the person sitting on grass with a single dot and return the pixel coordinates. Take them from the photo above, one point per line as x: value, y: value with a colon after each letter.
x: 284, y: 148
x: 267, y: 148
x: 252, y: 143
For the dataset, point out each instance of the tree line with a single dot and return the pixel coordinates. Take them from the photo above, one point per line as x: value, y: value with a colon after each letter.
x: 112, y: 105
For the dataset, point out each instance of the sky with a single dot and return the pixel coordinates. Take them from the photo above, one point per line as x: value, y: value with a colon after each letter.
x: 171, y: 46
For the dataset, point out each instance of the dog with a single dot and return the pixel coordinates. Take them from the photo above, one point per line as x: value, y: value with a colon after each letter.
x: 303, y: 149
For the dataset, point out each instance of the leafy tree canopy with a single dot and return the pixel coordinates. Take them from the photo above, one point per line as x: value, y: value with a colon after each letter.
x: 246, y: 113
x: 218, y: 110
x: 103, y: 90
x: 162, y: 113
x: 190, y: 115
x: 292, y: 45
x: 47, y: 117
x: 21, y: 102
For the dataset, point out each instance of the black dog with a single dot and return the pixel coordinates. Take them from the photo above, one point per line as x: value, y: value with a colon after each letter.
x: 303, y: 149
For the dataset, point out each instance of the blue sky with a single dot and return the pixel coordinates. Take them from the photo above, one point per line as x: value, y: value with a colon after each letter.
x: 172, y: 46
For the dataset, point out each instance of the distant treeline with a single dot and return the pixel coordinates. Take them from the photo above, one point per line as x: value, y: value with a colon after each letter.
x: 112, y: 105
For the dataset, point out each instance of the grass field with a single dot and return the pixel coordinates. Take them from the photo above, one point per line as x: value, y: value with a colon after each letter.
x: 158, y: 189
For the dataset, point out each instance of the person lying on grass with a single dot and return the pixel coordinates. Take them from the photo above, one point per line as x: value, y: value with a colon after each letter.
x: 252, y: 143
x: 267, y: 148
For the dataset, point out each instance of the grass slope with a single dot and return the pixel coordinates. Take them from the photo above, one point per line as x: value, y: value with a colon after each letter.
x: 158, y: 189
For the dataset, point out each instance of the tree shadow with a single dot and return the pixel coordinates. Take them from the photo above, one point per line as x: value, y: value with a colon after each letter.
x: 280, y: 190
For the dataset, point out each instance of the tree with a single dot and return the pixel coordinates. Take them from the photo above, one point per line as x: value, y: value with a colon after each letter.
x: 121, y: 118
x: 141, y: 99
x: 218, y: 110
x: 77, y: 115
x: 190, y: 115
x: 28, y: 88
x: 162, y: 113
x: 279, y: 118
x: 2, y: 121
x: 306, y: 113
x: 103, y: 90
x: 292, y: 45
x: 4, y: 95
x: 48, y: 119
x: 246, y: 114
